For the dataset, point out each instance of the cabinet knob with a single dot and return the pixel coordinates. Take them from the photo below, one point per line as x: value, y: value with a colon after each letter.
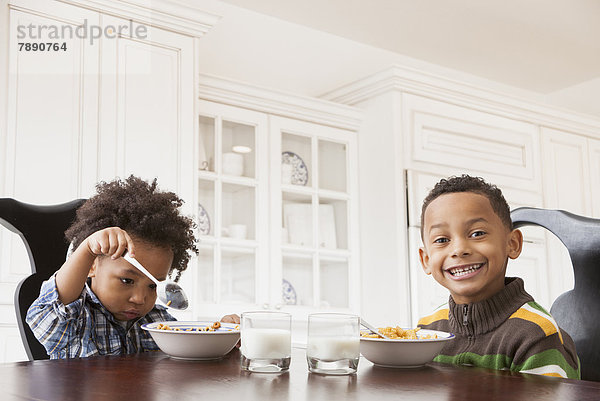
x: 278, y: 306
x: 265, y: 306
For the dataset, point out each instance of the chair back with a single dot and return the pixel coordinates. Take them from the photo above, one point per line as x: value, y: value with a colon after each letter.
x: 42, y: 230
x: 576, y: 311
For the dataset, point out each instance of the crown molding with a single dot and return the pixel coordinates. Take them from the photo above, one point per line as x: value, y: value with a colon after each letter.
x: 163, y: 14
x: 408, y: 80
x: 227, y: 91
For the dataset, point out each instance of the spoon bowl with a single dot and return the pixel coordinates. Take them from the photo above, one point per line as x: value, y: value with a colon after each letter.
x: 168, y: 292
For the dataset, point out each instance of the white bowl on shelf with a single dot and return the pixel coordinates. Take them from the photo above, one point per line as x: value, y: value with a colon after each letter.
x: 404, y: 353
x: 193, y: 344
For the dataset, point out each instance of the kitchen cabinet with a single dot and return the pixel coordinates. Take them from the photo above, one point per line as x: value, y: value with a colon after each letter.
x: 290, y: 183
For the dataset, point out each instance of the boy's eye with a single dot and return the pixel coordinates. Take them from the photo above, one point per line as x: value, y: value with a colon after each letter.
x: 440, y: 240
x: 127, y: 281
x: 478, y: 233
x: 152, y: 286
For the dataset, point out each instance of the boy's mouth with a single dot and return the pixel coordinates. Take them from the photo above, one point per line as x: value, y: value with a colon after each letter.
x: 463, y: 270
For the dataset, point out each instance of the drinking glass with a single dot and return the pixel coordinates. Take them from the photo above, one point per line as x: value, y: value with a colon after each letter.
x: 266, y: 341
x: 333, y: 346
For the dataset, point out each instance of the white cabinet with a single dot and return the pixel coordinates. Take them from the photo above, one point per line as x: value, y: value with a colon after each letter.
x: 280, y: 196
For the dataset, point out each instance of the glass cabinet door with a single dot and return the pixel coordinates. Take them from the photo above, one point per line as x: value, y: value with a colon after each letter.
x: 232, y: 200
x: 312, y: 200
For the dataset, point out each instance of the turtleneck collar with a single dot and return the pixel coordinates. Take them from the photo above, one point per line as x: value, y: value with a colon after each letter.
x: 484, y: 316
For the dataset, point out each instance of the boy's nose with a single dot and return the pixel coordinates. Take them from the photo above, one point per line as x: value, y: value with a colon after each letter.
x: 138, y: 296
x: 460, y: 248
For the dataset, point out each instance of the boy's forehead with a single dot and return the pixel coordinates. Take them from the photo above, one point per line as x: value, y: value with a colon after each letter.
x: 462, y: 203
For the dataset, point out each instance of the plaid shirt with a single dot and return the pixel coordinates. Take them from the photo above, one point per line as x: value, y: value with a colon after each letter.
x: 85, y: 327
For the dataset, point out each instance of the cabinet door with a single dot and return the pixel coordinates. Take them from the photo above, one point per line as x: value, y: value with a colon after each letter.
x: 52, y: 103
x: 147, y: 106
x: 314, y: 250
x: 47, y: 151
x: 566, y: 187
x: 232, y: 201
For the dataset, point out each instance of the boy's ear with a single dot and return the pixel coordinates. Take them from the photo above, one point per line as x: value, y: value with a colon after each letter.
x: 515, y: 243
x: 424, y: 257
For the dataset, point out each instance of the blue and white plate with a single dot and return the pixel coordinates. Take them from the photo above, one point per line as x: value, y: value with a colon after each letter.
x: 299, y: 169
x: 203, y: 221
x: 288, y: 293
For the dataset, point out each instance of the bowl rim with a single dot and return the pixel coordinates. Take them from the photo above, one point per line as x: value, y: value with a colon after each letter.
x: 230, y: 327
x: 446, y: 337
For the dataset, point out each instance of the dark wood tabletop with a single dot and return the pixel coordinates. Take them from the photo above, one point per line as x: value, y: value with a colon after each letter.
x: 155, y: 376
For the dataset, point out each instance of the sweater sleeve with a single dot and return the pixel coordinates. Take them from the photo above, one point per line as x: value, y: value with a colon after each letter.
x: 552, y: 355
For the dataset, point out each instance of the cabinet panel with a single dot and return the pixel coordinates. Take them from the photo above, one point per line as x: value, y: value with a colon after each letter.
x: 566, y: 171
x: 51, y: 106
x: 147, y: 108
x: 566, y: 187
x: 466, y: 139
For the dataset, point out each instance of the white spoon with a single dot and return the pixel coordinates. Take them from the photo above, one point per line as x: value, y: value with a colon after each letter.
x: 372, y: 328
x: 169, y: 293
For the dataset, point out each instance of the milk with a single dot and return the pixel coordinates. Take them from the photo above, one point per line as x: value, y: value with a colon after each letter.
x: 266, y: 343
x: 328, y: 348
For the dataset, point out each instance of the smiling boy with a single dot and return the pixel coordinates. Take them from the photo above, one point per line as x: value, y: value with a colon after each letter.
x: 467, y: 240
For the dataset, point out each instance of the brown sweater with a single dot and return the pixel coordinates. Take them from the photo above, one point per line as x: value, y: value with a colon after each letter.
x: 508, y: 331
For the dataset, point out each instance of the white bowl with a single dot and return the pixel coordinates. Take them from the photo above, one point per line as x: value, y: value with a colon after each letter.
x: 194, y: 345
x: 404, y: 353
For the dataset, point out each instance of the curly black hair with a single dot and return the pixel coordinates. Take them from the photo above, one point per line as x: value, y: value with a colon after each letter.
x: 144, y: 211
x: 467, y: 183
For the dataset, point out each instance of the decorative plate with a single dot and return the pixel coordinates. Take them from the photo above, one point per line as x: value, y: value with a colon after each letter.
x: 299, y: 169
x: 288, y: 293
x: 203, y: 221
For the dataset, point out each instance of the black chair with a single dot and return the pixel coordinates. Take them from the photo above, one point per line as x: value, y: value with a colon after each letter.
x: 576, y: 311
x: 42, y: 230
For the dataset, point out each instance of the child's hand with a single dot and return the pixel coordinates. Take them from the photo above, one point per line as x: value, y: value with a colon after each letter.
x: 111, y: 241
x: 231, y: 319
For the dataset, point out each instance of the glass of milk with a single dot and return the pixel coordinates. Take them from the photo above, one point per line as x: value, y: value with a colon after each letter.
x: 333, y: 345
x: 266, y: 341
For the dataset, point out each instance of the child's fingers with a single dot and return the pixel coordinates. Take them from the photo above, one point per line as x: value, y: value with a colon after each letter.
x: 130, y: 246
x: 121, y: 245
x: 94, y: 246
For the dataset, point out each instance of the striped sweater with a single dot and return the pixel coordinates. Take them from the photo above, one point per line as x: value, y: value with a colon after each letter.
x: 508, y: 331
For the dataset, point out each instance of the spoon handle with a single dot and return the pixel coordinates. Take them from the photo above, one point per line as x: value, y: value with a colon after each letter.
x: 139, y: 266
x: 372, y: 328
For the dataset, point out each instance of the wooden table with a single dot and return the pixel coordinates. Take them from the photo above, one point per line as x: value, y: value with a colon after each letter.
x: 155, y: 376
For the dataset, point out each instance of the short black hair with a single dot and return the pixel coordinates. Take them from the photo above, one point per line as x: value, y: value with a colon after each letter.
x: 467, y: 183
x: 144, y: 211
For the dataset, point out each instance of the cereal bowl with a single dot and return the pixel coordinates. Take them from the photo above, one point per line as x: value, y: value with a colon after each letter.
x: 401, y: 353
x: 193, y: 340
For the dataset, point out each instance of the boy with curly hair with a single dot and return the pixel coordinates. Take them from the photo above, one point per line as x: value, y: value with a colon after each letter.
x: 96, y: 303
x: 468, y: 238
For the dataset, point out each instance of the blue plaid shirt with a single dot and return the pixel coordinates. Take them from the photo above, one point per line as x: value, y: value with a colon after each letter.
x: 85, y: 327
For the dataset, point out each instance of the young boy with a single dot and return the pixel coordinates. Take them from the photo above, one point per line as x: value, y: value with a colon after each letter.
x: 468, y: 238
x: 96, y: 303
